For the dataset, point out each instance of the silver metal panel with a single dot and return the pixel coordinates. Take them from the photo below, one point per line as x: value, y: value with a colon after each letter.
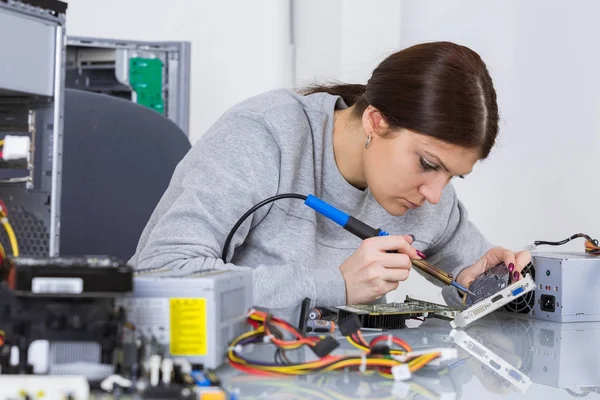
x: 566, y: 282
x: 32, y: 44
x: 228, y: 296
x: 57, y: 141
x: 179, y: 86
x: 27, y: 48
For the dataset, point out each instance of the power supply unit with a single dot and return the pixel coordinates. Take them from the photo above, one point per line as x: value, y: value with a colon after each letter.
x: 193, y: 315
x: 566, y: 285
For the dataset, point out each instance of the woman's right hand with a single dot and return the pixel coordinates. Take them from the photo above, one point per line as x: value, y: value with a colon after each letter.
x: 371, y: 272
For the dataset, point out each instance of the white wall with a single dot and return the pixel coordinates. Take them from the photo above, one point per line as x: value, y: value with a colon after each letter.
x: 239, y: 48
x: 343, y: 40
x: 538, y: 181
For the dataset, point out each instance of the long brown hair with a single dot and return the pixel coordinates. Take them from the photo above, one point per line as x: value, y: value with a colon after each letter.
x: 440, y: 89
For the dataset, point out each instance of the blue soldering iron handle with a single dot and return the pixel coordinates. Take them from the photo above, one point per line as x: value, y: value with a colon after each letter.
x: 346, y: 221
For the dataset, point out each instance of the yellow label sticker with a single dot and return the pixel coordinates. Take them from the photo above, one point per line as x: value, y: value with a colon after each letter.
x: 188, y: 327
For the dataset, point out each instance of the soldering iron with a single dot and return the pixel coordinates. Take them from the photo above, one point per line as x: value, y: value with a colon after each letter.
x: 365, y: 231
x: 352, y: 225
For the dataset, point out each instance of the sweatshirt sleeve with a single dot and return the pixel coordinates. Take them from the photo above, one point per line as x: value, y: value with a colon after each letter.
x: 460, y: 245
x: 234, y: 166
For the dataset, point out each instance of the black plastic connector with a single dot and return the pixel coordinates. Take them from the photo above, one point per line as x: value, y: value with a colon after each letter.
x: 325, y: 346
x: 169, y: 392
x: 350, y: 325
x: 380, y: 348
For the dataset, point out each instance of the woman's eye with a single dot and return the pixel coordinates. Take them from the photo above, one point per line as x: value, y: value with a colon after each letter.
x: 427, y: 166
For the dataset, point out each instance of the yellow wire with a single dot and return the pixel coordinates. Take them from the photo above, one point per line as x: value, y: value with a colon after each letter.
x: 335, y: 363
x: 11, y: 236
x: 386, y: 375
x: 2, y: 252
x: 358, y: 362
x: 421, y: 361
x: 2, y: 142
x: 356, y: 344
x: 304, y: 368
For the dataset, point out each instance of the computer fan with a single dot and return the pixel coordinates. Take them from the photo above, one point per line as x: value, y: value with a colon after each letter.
x: 525, y: 303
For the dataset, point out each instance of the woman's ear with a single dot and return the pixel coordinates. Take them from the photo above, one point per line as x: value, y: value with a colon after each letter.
x: 373, y: 121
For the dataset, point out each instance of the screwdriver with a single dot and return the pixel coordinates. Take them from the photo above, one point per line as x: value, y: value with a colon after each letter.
x: 364, y: 231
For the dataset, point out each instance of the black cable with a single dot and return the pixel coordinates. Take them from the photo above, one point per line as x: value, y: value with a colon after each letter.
x: 575, y: 394
x: 279, y: 355
x: 575, y: 236
x: 252, y: 210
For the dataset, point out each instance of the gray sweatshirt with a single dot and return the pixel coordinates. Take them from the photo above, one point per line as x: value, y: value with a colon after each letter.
x: 282, y: 142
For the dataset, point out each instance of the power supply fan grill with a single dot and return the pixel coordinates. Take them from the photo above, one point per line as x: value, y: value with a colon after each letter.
x: 394, y: 315
x: 379, y: 321
x: 524, y: 304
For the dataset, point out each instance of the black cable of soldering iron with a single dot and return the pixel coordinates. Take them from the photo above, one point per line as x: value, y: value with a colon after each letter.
x: 252, y: 210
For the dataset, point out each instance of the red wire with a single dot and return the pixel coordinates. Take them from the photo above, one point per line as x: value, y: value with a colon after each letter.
x: 395, y: 340
x: 4, y: 210
x: 243, y: 368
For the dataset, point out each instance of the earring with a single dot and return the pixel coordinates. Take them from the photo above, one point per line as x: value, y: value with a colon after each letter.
x: 368, y: 141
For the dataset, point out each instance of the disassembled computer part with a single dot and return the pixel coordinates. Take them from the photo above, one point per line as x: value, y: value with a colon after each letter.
x: 487, y: 284
x: 69, y: 302
x: 495, y: 301
x: 490, y: 359
x: 394, y: 315
x: 153, y: 74
x: 44, y: 386
x: 193, y: 315
x: 566, y: 288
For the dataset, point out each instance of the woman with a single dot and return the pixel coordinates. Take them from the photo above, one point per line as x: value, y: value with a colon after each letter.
x: 384, y: 153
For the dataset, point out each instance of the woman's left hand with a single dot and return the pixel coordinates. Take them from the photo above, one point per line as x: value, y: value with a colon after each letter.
x: 497, y: 255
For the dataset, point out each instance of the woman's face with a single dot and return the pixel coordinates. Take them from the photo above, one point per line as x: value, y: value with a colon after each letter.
x: 405, y: 169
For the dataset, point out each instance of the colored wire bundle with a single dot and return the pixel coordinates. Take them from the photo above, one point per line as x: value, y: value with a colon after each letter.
x: 373, y: 356
x: 9, y: 232
x: 591, y: 245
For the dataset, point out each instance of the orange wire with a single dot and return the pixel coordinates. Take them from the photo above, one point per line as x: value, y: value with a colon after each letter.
x: 362, y: 338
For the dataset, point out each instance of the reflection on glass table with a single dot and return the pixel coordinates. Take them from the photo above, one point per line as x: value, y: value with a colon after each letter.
x: 502, y: 354
x: 559, y: 355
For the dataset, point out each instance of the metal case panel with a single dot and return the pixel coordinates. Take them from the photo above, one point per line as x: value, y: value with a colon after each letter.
x: 28, y: 49
x: 570, y: 279
x: 34, y: 201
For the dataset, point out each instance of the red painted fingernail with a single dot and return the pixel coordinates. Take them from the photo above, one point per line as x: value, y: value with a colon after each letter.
x: 511, y: 267
x: 420, y: 254
x: 516, y: 275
